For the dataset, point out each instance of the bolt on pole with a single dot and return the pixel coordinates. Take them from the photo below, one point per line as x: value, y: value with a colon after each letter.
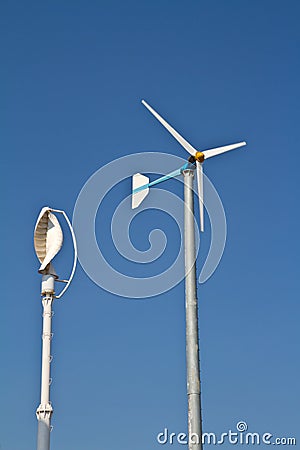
x: 191, y: 308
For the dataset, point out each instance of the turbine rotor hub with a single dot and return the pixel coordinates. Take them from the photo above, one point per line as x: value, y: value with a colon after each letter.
x: 199, y: 156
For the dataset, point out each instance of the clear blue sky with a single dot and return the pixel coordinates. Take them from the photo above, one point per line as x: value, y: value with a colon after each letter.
x: 72, y: 76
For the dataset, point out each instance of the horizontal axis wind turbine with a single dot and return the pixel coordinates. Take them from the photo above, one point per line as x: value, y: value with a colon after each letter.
x: 141, y: 185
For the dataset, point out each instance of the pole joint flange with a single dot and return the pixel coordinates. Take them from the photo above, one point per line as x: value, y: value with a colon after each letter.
x: 189, y: 171
x: 44, y: 411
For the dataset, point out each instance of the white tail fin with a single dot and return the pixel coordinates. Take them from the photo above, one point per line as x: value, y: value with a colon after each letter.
x: 138, y: 181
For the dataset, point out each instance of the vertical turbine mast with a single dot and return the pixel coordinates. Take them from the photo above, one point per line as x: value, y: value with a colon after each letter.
x: 191, y: 317
x: 45, y: 410
x: 48, y: 240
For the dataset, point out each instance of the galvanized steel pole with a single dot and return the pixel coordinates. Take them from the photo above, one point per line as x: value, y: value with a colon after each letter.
x: 191, y: 307
x: 45, y: 410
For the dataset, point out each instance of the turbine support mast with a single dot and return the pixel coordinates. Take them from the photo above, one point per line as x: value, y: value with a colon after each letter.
x: 48, y: 240
x: 45, y: 410
x: 191, y: 309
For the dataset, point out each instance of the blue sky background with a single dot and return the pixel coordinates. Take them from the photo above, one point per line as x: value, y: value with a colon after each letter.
x: 72, y: 77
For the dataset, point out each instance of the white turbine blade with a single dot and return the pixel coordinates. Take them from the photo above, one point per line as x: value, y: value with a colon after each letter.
x: 185, y: 144
x: 200, y: 194
x: 139, y: 181
x: 219, y: 150
x: 48, y: 238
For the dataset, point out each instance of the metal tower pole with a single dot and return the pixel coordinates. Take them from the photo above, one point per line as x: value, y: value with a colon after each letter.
x: 191, y: 307
x: 45, y: 410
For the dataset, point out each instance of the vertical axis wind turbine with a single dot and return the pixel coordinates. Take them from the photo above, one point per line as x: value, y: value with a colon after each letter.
x: 140, y: 189
x: 48, y: 240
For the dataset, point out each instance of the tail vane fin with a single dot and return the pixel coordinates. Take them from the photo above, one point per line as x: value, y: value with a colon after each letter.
x: 140, y: 189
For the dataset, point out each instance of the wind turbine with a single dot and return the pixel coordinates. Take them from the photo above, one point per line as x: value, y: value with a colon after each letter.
x: 140, y: 189
x: 48, y: 240
x: 197, y: 157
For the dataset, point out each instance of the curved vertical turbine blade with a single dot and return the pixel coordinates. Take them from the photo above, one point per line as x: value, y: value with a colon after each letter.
x: 200, y: 194
x: 48, y: 239
x: 219, y: 150
x: 185, y: 144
